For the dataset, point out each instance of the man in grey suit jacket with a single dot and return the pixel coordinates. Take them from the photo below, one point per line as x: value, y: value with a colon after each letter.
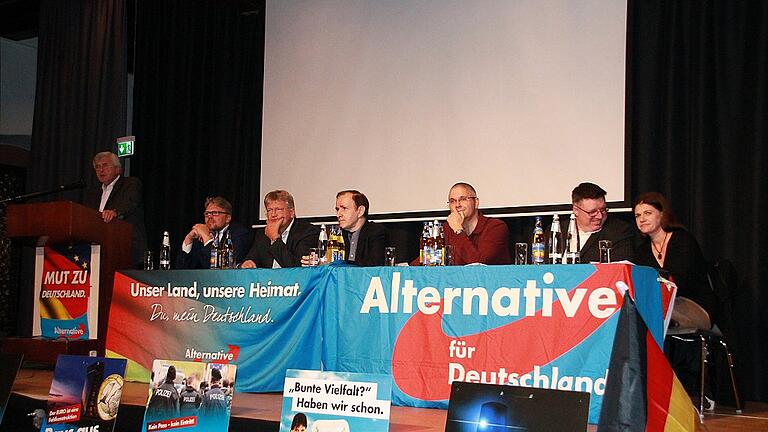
x: 594, y: 225
x: 118, y: 197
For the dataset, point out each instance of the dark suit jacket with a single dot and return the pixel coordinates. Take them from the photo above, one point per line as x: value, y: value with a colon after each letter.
x: 370, y: 244
x: 200, y: 255
x: 127, y: 200
x: 302, y: 236
x: 620, y: 233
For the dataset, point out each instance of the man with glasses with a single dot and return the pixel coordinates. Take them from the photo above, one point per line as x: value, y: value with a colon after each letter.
x: 594, y: 225
x: 196, y: 247
x: 285, y: 239
x: 475, y: 238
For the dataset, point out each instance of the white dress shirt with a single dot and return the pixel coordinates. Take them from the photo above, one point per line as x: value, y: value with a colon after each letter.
x: 105, y: 192
x: 284, y: 237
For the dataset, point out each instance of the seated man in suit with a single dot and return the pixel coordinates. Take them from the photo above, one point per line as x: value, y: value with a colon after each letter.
x: 285, y: 239
x: 364, y: 241
x: 594, y: 225
x: 118, y: 197
x: 196, y: 247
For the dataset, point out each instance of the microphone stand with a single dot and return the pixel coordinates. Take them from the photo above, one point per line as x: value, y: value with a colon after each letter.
x: 76, y: 185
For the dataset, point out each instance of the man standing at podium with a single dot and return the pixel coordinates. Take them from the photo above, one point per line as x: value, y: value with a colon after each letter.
x: 118, y: 197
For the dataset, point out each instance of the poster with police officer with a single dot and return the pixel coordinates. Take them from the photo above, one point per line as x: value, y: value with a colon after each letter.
x: 189, y: 396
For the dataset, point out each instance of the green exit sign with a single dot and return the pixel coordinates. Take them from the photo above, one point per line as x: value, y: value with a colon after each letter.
x: 125, y: 146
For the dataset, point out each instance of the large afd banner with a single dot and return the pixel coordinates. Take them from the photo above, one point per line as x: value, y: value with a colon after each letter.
x: 265, y: 321
x: 548, y: 326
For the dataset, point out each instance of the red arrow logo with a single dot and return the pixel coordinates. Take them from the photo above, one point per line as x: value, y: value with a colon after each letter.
x: 422, y: 352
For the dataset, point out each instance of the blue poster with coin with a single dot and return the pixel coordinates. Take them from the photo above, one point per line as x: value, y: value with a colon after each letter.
x: 190, y: 396
x: 85, y: 394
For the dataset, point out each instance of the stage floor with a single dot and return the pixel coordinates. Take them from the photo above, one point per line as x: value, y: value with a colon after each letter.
x: 264, y: 409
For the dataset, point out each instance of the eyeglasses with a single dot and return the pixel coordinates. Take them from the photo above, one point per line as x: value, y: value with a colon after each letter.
x: 214, y: 213
x: 595, y: 212
x: 461, y: 200
x: 276, y: 210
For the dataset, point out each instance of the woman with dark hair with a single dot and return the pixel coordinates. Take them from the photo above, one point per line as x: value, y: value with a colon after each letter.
x: 669, y: 247
x: 299, y: 423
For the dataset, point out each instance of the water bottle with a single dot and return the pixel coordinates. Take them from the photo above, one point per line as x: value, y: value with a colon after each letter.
x: 340, y: 244
x: 440, y: 245
x: 423, y: 243
x: 429, y: 245
x: 555, y: 241
x: 537, y: 245
x: 572, y: 246
x: 214, y: 260
x: 227, y: 253
x: 332, y: 244
x: 437, y: 245
x: 165, y: 252
x: 322, y: 245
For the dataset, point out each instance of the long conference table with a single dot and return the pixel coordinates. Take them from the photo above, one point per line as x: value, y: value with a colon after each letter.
x: 549, y: 326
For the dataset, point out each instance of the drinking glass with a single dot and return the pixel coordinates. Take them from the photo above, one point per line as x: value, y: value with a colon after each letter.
x: 521, y: 253
x: 149, y: 260
x: 605, y: 251
x: 389, y: 256
x: 314, y: 258
x: 450, y: 255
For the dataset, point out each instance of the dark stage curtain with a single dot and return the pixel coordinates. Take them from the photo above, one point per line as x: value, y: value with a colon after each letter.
x: 698, y: 109
x: 696, y: 112
x: 80, y: 101
x: 197, y: 116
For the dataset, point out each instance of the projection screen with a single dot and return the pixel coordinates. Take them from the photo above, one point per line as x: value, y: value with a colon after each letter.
x: 523, y: 99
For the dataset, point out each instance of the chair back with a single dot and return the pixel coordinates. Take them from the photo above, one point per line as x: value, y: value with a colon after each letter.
x: 724, y: 282
x: 689, y: 316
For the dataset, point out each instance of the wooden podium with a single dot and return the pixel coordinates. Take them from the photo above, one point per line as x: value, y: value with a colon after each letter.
x: 63, y: 222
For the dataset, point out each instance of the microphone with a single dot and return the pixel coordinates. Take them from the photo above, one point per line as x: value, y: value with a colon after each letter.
x: 65, y: 187
x: 71, y: 186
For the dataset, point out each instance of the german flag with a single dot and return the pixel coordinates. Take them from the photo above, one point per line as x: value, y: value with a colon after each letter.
x: 642, y: 392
